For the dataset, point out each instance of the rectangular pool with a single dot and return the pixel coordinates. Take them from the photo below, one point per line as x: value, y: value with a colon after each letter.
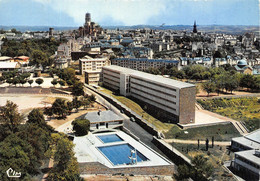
x: 119, y: 154
x: 110, y: 138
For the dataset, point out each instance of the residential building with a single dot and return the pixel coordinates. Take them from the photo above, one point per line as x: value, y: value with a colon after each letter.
x: 174, y: 100
x: 143, y: 63
x: 91, y: 68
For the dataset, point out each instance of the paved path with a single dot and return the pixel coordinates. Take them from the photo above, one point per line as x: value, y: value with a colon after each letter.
x: 231, y: 96
x: 221, y: 143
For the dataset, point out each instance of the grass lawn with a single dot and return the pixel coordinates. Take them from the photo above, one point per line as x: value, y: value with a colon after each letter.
x: 139, y: 110
x: 220, y: 133
x: 216, y: 156
x: 241, y: 109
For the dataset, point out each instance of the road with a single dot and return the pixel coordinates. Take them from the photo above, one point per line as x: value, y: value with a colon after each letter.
x: 221, y: 143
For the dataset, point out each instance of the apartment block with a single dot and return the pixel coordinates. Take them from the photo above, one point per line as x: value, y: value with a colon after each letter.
x: 143, y: 63
x: 91, y: 68
x: 174, y: 99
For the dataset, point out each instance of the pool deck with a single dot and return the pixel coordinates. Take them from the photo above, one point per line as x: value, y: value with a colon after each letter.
x: 86, y: 150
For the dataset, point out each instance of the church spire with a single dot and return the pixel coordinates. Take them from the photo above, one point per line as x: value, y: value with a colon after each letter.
x: 195, y: 27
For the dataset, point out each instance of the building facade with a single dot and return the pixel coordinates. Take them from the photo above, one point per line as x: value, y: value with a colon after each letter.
x: 143, y: 63
x: 91, y: 68
x: 174, y: 99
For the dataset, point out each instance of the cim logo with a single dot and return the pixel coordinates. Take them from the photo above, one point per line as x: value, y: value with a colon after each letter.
x: 11, y: 173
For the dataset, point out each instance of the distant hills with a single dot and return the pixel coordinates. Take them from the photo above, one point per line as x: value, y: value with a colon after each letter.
x: 229, y: 29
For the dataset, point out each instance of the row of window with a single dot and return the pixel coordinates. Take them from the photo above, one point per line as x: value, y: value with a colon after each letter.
x: 247, y: 161
x: 153, y: 83
x: 145, y: 98
x: 172, y: 102
x: 134, y: 83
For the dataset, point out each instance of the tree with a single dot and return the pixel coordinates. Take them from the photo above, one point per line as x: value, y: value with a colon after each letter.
x: 76, y: 103
x: 23, y: 81
x: 48, y: 111
x: 92, y: 98
x: 54, y: 82
x: 85, y: 102
x: 38, y: 138
x: 184, y: 172
x: 81, y: 127
x: 77, y: 89
x: 209, y: 87
x: 39, y: 81
x: 10, y: 117
x: 39, y: 57
x: 247, y: 81
x: 30, y: 82
x: 61, y: 82
x: 36, y: 116
x: 15, y: 81
x: 70, y: 106
x: 59, y: 107
x: 16, y: 153
x: 9, y: 81
x: 202, y: 167
x: 65, y: 163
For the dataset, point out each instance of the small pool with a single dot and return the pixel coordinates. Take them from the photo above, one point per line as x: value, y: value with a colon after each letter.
x: 119, y: 154
x: 110, y: 138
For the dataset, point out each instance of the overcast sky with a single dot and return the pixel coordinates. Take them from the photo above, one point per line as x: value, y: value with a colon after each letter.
x: 129, y: 12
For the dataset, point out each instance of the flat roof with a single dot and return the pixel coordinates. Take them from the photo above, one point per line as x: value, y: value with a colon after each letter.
x: 102, y: 116
x: 255, y: 136
x: 249, y: 155
x: 5, y: 58
x: 246, y: 142
x: 150, y: 77
x: 8, y: 64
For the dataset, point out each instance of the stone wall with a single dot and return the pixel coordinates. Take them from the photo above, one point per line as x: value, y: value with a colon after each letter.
x: 98, y: 168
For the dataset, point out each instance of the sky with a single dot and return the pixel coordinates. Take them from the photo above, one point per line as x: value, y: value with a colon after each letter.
x: 71, y: 13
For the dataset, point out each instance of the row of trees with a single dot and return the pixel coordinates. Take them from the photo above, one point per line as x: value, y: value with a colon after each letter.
x: 231, y: 82
x: 62, y: 108
x: 220, y: 78
x: 15, y: 78
x: 24, y: 147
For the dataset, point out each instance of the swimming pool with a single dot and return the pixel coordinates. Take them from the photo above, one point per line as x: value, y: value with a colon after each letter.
x: 119, y: 154
x: 110, y: 138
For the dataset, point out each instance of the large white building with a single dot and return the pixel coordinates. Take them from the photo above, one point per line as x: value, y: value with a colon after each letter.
x: 174, y: 99
x: 91, y: 68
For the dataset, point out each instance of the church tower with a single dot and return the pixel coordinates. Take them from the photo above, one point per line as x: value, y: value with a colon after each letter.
x: 195, y: 27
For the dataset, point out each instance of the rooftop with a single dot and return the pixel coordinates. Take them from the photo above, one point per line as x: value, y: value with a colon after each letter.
x: 149, y: 60
x: 151, y: 77
x: 102, y: 116
x: 8, y: 65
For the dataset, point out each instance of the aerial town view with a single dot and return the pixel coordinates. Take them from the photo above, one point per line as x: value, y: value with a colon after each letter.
x: 131, y: 90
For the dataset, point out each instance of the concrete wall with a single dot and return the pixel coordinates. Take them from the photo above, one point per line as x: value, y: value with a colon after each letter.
x: 187, y: 105
x: 174, y: 155
x: 97, y: 168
